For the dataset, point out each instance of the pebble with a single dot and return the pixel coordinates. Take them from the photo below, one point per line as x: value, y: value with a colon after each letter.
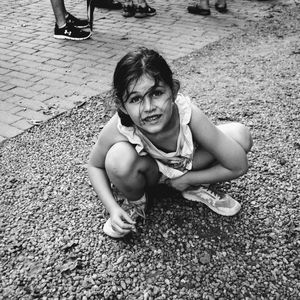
x: 205, y: 258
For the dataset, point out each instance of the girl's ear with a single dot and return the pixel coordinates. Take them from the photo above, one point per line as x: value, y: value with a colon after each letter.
x: 176, y: 87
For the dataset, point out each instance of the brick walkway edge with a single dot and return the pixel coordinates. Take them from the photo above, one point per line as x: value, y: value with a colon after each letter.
x: 42, y: 77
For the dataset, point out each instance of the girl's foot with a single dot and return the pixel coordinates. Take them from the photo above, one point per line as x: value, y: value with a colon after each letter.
x: 200, y: 9
x: 221, y: 6
x: 220, y: 203
x: 135, y: 209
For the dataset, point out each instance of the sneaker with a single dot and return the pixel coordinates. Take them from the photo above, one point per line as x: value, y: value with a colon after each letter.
x: 69, y: 32
x: 108, y: 230
x: 128, y: 11
x: 136, y: 211
x: 78, y: 23
x: 220, y: 203
x: 146, y: 11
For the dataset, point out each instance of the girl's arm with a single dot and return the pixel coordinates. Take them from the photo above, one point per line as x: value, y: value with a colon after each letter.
x: 99, y: 179
x: 230, y: 158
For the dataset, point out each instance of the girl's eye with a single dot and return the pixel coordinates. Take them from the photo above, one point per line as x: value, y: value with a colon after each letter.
x: 157, y: 93
x: 135, y: 99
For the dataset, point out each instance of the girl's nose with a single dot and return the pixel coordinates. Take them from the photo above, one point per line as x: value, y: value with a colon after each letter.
x: 147, y: 103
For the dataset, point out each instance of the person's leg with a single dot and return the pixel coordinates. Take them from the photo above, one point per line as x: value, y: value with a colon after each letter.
x: 220, y: 203
x: 240, y: 133
x: 204, y: 4
x: 130, y: 173
x: 128, y: 9
x: 62, y: 16
x: 59, y: 11
x: 237, y: 131
x: 67, y: 26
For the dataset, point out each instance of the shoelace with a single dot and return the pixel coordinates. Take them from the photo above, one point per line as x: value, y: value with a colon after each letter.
x: 134, y: 207
x: 217, y: 196
x: 211, y: 193
x: 137, y: 209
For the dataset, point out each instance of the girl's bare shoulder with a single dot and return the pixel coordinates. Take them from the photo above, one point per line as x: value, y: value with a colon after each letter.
x: 201, y: 125
x: 110, y: 133
x: 197, y: 114
x: 108, y: 136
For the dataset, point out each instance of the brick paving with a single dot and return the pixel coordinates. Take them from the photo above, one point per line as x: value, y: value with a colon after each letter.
x: 41, y: 76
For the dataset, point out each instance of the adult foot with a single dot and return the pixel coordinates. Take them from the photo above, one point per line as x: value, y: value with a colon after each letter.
x: 70, y: 32
x: 78, y: 23
x: 144, y: 11
x: 128, y: 10
x: 221, y: 6
x: 109, y: 4
x: 196, y: 10
x: 200, y: 9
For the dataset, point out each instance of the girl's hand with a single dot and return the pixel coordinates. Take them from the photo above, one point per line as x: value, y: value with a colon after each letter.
x: 121, y: 221
x: 179, y: 183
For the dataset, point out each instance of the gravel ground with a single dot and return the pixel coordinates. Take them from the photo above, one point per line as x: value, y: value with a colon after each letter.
x: 52, y: 245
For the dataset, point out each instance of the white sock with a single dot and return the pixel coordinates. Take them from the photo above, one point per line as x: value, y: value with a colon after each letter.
x: 60, y: 27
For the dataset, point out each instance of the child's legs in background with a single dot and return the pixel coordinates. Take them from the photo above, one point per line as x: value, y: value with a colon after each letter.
x: 237, y: 131
x: 129, y: 172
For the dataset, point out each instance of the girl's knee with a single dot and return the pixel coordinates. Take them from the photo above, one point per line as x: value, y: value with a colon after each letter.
x: 240, y: 133
x: 120, y: 159
x: 123, y: 164
x: 244, y: 137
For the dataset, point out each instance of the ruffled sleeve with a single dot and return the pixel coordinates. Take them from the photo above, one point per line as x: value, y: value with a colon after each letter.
x: 133, y: 138
x: 184, y: 107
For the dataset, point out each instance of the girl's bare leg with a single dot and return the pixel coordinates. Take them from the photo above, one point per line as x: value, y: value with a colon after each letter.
x: 236, y: 131
x: 129, y: 172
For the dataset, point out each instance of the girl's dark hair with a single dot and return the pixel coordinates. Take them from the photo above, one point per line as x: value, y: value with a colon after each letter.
x: 131, y: 67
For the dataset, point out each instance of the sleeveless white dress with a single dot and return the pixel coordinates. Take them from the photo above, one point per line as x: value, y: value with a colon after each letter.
x: 170, y: 164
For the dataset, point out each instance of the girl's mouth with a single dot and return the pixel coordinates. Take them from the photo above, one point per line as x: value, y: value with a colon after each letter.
x: 152, y: 118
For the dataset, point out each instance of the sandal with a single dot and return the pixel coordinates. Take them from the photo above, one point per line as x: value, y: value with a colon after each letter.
x: 146, y: 11
x: 128, y: 10
x: 197, y: 10
x: 221, y: 9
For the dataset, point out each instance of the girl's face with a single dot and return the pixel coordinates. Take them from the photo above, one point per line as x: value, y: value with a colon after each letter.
x: 149, y: 105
